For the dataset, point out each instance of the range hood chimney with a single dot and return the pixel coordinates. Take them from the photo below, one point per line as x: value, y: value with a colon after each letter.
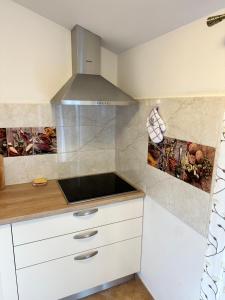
x: 87, y: 86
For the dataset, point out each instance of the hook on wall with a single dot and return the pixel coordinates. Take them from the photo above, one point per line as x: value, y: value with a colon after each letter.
x: 211, y: 21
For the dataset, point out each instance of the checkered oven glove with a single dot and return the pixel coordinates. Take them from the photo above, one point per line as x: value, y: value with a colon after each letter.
x: 155, y: 126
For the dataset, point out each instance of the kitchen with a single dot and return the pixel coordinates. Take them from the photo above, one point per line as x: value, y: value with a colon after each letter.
x: 148, y: 219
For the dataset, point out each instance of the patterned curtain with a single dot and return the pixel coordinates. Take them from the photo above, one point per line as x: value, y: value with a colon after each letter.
x: 213, y: 279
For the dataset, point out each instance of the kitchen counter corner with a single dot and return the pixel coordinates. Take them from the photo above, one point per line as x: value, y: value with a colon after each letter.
x: 22, y: 202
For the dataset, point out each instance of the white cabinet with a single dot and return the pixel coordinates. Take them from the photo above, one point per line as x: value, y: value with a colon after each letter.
x: 66, y: 276
x: 8, y: 287
x: 66, y: 254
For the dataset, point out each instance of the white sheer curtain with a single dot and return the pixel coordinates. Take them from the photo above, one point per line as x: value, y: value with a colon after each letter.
x: 213, y: 279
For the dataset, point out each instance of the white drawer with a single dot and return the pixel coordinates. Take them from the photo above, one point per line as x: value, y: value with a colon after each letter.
x: 39, y: 229
x: 45, y: 250
x: 66, y: 276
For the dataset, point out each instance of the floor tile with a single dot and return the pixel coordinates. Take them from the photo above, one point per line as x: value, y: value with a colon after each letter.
x: 132, y: 290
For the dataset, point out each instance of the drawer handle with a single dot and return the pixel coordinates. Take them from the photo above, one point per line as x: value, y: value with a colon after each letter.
x: 86, y: 255
x: 85, y: 235
x: 83, y: 213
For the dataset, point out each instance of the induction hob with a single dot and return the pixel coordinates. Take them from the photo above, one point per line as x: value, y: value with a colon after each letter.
x: 84, y: 188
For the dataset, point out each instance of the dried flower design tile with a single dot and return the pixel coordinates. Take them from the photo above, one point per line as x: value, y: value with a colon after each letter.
x: 44, y: 140
x: 19, y: 141
x: 190, y: 162
x: 3, y: 142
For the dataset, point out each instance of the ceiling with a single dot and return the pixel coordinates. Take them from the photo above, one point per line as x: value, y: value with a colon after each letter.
x: 123, y: 24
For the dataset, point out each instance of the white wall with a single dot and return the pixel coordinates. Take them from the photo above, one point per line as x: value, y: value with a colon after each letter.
x: 109, y: 65
x: 172, y: 257
x: 35, y: 56
x: 187, y: 61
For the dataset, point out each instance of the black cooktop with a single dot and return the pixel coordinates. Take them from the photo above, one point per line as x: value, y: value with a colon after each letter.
x: 93, y: 186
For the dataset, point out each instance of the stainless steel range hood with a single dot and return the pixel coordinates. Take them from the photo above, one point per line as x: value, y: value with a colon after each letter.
x: 86, y: 86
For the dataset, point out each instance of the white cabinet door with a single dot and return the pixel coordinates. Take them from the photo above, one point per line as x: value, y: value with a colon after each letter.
x: 8, y: 287
x: 63, y: 277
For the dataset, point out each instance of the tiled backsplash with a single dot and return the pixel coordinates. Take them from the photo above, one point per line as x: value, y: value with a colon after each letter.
x: 91, y: 138
x: 192, y: 119
x: 86, y: 137
x: 27, y: 141
x: 85, y: 140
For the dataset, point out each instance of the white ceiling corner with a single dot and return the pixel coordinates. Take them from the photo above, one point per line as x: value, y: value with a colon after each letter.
x: 123, y: 24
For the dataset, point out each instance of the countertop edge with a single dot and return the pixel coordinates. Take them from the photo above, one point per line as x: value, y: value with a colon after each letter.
x: 74, y: 207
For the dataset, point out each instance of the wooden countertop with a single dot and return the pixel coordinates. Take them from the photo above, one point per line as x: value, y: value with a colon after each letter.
x: 22, y: 202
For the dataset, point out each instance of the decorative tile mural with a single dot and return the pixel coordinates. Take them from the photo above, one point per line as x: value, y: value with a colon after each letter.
x: 19, y: 141
x: 3, y: 142
x: 27, y: 141
x: 190, y: 162
x: 44, y: 140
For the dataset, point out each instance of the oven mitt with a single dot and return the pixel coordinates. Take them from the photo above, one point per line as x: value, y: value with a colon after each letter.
x: 155, y: 126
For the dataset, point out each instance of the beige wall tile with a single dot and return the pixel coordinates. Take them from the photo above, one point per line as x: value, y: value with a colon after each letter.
x: 85, y: 137
x: 191, y: 119
x: 25, y: 168
x: 26, y: 115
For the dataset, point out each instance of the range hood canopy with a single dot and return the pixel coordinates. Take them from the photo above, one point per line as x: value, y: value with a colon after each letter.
x: 86, y: 86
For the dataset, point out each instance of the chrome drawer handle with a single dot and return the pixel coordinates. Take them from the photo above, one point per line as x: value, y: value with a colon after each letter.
x: 86, y: 255
x: 83, y: 213
x: 85, y: 235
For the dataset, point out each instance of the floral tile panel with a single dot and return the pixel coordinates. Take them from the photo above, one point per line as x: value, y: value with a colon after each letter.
x: 3, y: 142
x: 190, y: 162
x: 27, y: 141
x: 44, y: 140
x: 20, y: 141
